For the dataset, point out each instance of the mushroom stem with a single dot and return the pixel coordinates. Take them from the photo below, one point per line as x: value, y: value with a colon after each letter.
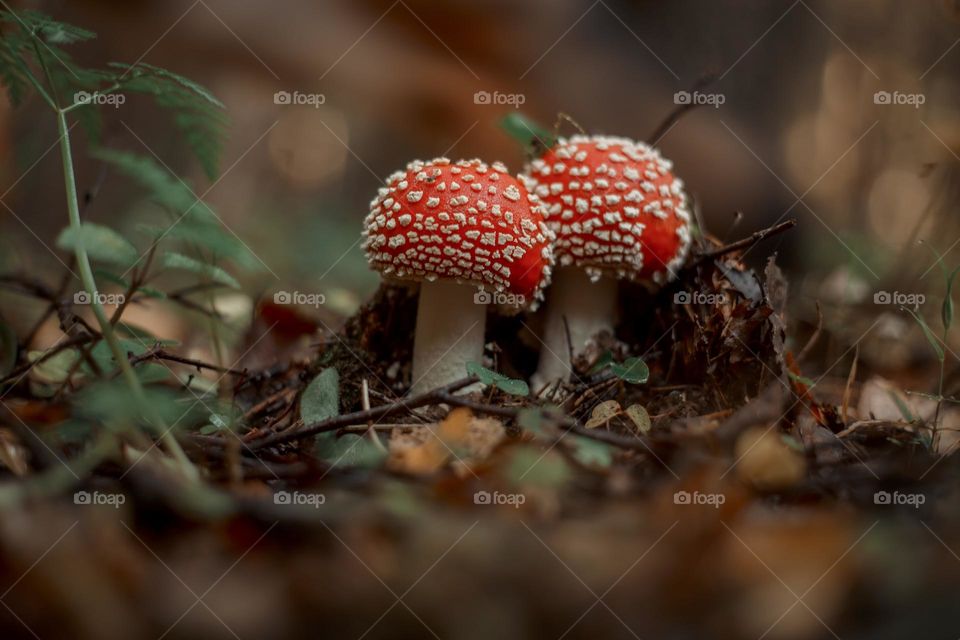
x: 450, y: 328
x: 588, y: 307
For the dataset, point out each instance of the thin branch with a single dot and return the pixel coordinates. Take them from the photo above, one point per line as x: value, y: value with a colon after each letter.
x: 747, y: 242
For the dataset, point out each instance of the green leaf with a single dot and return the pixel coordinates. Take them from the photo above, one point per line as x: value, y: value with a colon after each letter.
x: 111, y: 402
x: 531, y: 466
x: 605, y: 359
x: 178, y: 261
x: 802, y: 379
x: 102, y: 244
x: 165, y: 188
x: 142, y: 335
x: 901, y: 406
x: 49, y: 30
x: 507, y: 385
x: 13, y: 70
x: 527, y: 132
x: 321, y: 399
x: 103, y: 356
x: 194, y: 221
x: 197, y: 113
x: 144, y: 70
x: 56, y: 368
x: 929, y: 334
x: 208, y: 234
x: 633, y: 370
x: 531, y: 419
x: 946, y: 313
x: 152, y: 373
x: 349, y: 450
x: 591, y: 453
x: 123, y: 283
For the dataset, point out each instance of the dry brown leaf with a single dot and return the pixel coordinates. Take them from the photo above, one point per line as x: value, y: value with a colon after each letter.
x: 12, y: 455
x: 603, y: 413
x: 426, y: 449
x: 766, y: 462
x: 639, y: 416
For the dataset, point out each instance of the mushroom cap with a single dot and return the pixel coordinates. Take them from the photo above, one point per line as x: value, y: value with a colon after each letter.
x: 615, y: 206
x: 466, y: 221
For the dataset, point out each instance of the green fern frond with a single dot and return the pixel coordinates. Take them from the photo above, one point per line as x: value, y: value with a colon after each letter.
x: 13, y: 71
x: 164, y: 188
x: 49, y: 30
x: 194, y: 222
x: 198, y: 113
x: 143, y: 69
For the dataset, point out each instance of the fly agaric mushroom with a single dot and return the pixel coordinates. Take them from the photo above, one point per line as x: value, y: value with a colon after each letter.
x: 618, y: 212
x: 456, y: 228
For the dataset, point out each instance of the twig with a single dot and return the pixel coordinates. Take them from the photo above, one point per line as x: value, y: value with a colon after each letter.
x: 680, y: 110
x: 435, y: 396
x: 66, y: 344
x: 816, y: 335
x: 747, y: 242
x: 365, y: 403
x: 162, y: 354
x: 850, y: 379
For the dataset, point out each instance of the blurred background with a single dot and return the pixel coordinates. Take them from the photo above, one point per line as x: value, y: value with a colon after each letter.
x: 792, y: 126
x: 844, y: 114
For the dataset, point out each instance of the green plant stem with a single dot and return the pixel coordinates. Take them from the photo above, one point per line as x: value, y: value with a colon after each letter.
x: 40, y: 90
x: 90, y: 285
x: 102, y: 92
x: 934, y: 441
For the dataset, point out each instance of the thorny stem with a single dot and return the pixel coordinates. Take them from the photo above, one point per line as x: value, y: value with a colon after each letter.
x: 90, y: 285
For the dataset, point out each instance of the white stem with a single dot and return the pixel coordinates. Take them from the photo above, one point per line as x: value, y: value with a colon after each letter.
x: 588, y: 307
x: 450, y: 328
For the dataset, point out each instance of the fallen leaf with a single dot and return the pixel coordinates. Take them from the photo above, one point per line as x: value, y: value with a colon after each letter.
x: 766, y: 461
x: 639, y: 416
x: 603, y: 413
x: 424, y: 450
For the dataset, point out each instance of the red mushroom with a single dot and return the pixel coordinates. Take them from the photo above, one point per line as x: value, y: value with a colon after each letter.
x: 618, y: 212
x: 456, y: 228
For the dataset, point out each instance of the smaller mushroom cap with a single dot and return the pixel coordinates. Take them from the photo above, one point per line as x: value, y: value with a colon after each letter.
x: 615, y: 206
x: 467, y: 221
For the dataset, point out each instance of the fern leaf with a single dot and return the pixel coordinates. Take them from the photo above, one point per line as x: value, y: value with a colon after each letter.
x: 198, y: 113
x: 13, y: 71
x: 46, y: 28
x: 164, y: 188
